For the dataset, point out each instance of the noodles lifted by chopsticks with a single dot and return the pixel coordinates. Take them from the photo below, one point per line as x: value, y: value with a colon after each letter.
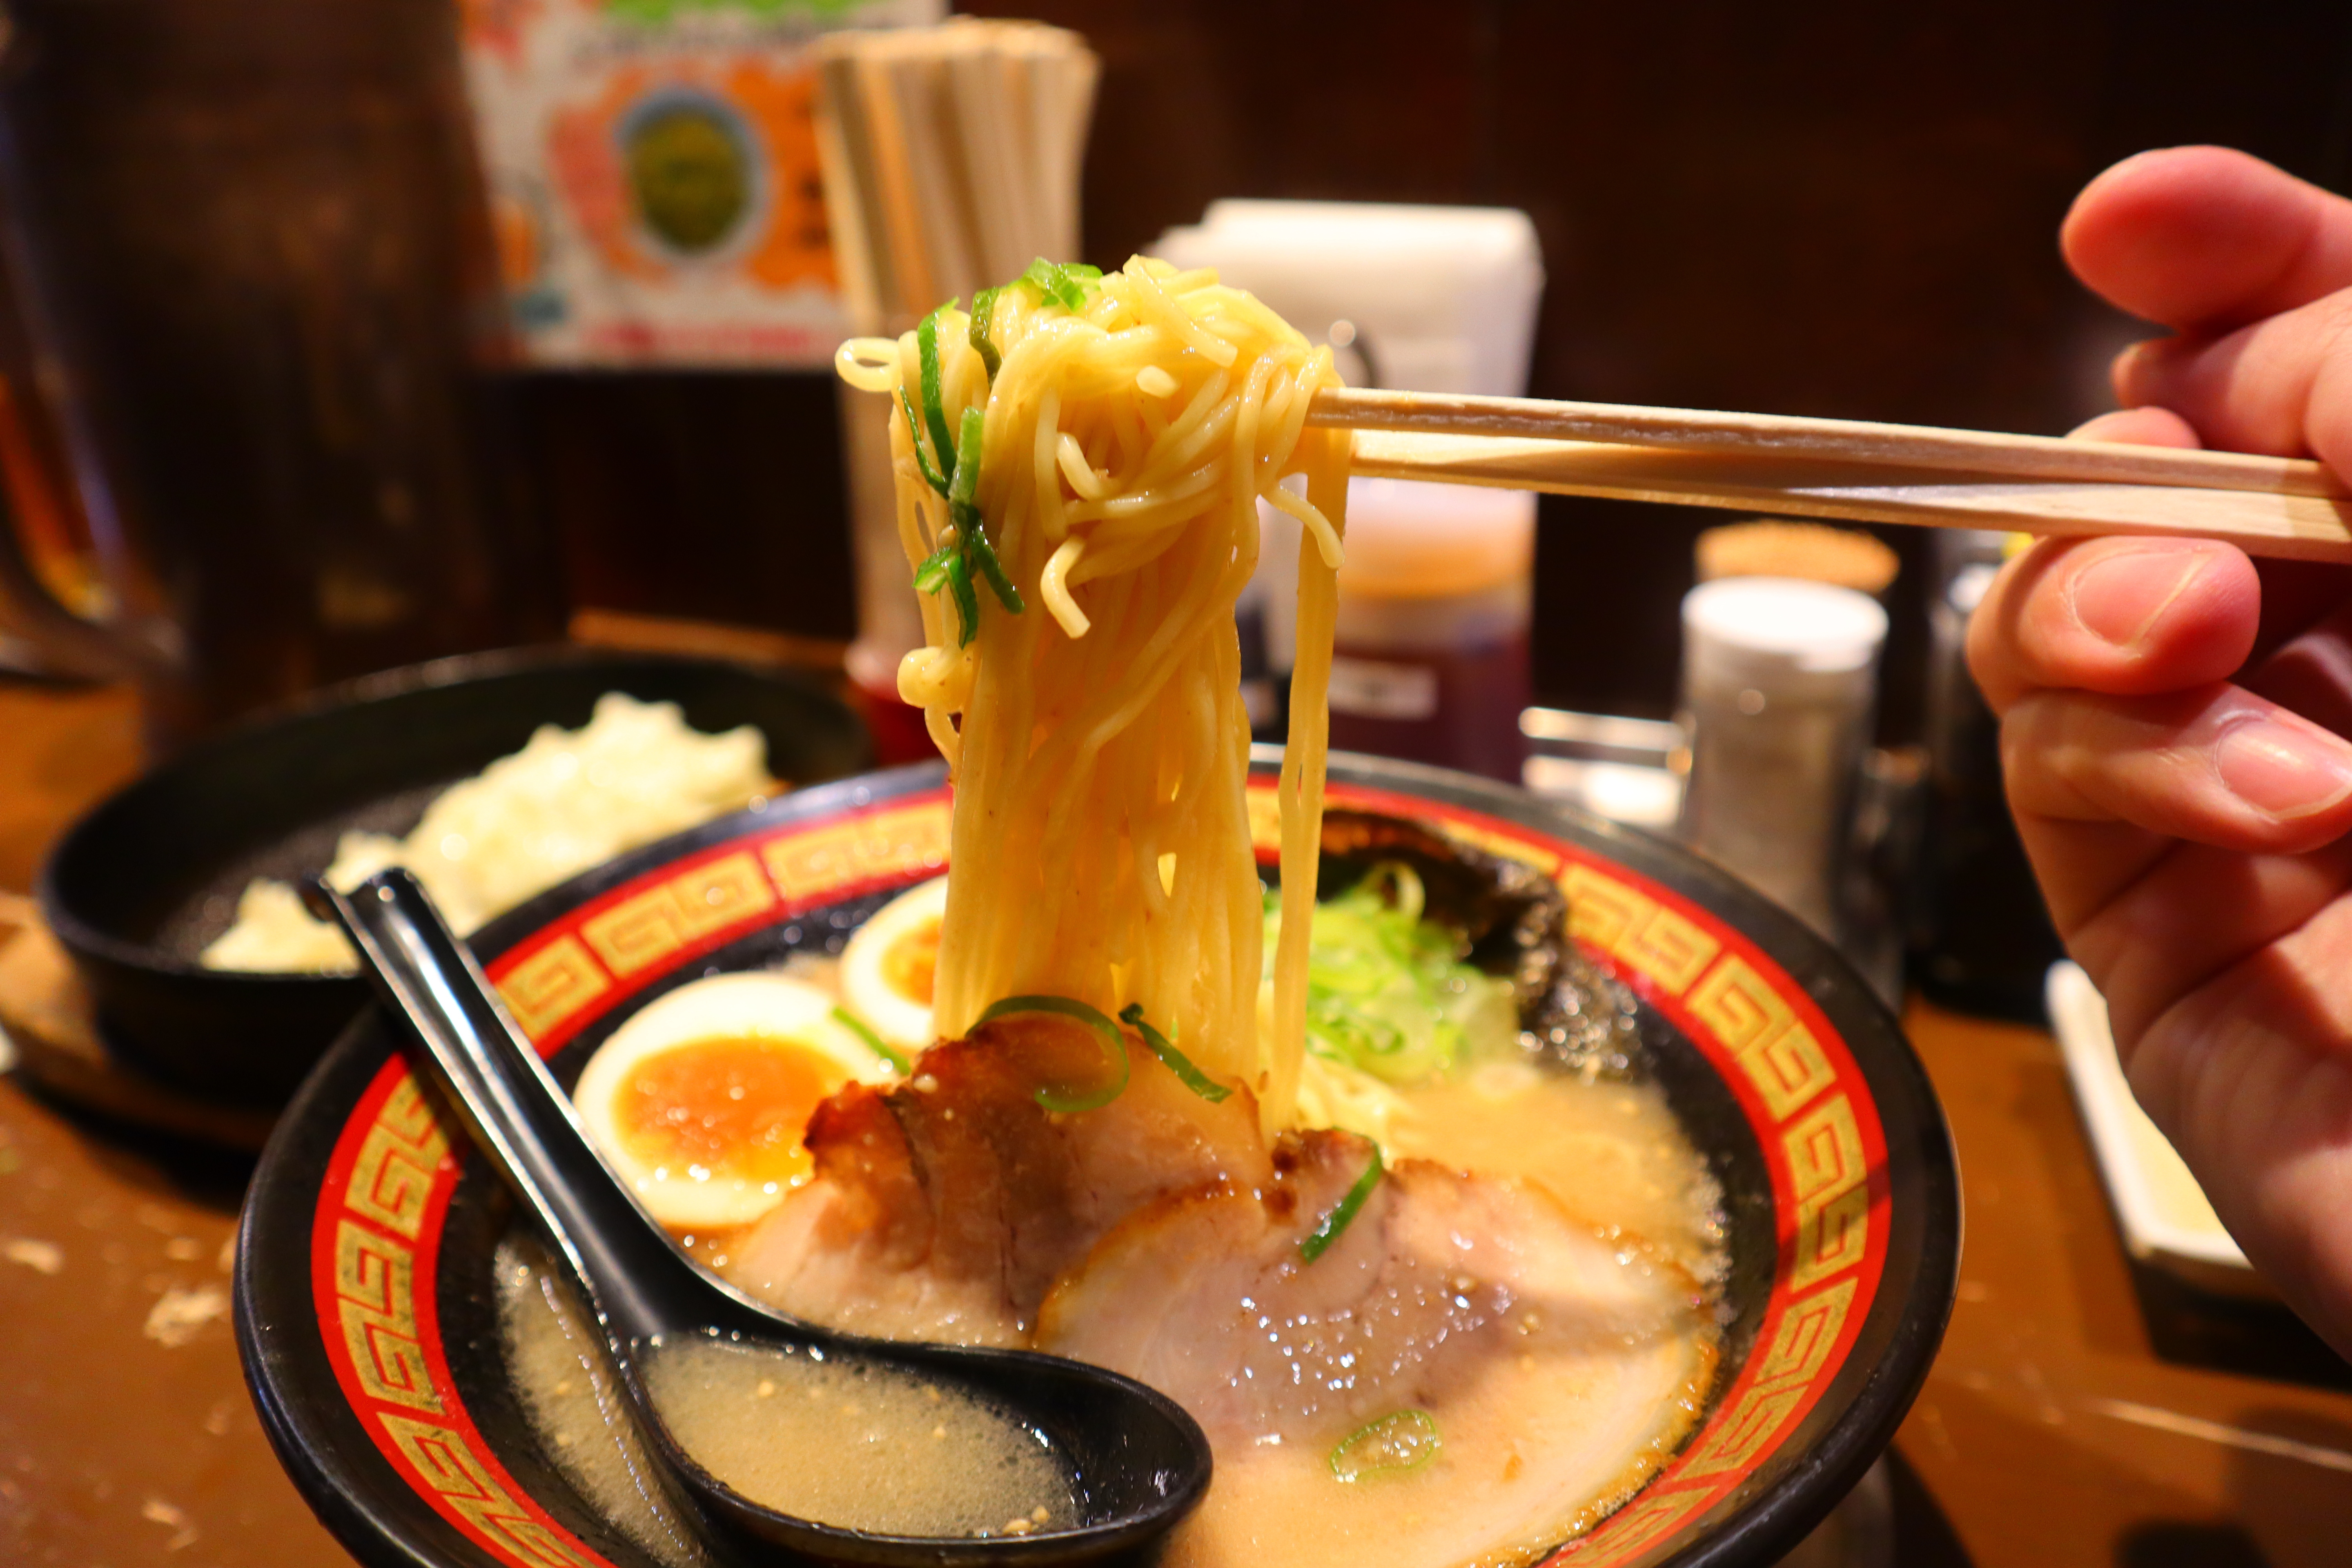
x: 1083, y: 676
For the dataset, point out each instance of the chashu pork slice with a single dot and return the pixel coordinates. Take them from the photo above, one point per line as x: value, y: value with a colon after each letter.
x: 1556, y: 1369
x: 943, y: 1207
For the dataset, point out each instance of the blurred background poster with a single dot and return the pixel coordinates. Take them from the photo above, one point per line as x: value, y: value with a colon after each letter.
x: 653, y: 175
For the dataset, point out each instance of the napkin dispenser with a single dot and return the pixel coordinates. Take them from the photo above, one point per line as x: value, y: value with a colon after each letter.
x: 1426, y: 298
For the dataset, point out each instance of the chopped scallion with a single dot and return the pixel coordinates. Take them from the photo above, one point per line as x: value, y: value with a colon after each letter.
x: 876, y: 1043
x: 1316, y: 1242
x: 931, y: 475
x: 1177, y: 1062
x: 1400, y: 1440
x: 967, y: 602
x: 983, y: 307
x: 1060, y: 1097
x: 953, y: 567
x: 935, y: 409
x: 983, y: 555
x: 1062, y: 285
x: 933, y: 572
x: 966, y: 483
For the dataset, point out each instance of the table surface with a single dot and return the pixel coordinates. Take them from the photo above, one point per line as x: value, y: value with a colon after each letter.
x: 2081, y: 1411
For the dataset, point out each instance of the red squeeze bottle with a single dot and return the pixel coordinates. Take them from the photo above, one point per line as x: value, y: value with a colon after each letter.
x: 1430, y: 659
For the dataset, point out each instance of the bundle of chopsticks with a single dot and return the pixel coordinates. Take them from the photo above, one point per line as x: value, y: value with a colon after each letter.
x: 951, y: 158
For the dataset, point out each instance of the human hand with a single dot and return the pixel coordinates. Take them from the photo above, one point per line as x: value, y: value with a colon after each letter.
x: 2173, y: 716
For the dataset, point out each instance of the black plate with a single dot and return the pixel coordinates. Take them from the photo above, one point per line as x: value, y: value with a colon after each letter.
x: 137, y: 887
x: 1841, y: 1197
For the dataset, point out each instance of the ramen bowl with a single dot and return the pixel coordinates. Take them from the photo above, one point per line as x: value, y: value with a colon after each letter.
x: 365, y: 1306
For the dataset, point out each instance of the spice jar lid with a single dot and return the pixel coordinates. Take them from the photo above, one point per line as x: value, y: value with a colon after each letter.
x: 1413, y: 540
x: 1758, y: 630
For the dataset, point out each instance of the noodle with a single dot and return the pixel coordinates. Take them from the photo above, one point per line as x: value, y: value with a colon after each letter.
x: 1100, y: 846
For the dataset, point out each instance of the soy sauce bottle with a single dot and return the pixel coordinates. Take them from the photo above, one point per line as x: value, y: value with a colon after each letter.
x: 1982, y: 938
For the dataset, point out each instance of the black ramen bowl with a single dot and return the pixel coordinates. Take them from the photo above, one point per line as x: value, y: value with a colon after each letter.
x: 364, y: 1305
x: 151, y: 875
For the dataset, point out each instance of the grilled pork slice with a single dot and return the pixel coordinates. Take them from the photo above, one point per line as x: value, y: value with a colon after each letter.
x: 943, y: 1207
x: 1465, y: 1375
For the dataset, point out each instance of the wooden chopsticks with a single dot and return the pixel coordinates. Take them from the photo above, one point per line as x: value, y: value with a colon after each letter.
x: 1848, y: 469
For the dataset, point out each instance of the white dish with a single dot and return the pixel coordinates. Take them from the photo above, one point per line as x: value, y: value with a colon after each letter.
x: 2165, y: 1218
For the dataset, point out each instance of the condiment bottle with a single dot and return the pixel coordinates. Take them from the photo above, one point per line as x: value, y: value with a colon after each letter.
x: 1984, y: 937
x: 1426, y: 298
x: 1430, y: 659
x: 1780, y: 683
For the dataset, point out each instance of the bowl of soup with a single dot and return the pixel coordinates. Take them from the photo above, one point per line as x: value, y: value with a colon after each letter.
x: 1624, y: 1229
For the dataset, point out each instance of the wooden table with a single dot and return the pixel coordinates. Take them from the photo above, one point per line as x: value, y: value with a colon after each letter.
x: 2079, y: 1414
x: 126, y: 1437
x: 2084, y: 1411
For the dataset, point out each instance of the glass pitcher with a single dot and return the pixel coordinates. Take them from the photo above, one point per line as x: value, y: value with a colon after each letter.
x: 251, y: 287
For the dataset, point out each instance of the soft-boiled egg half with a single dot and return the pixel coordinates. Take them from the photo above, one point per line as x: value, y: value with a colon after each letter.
x: 885, y: 970
x: 701, y: 1100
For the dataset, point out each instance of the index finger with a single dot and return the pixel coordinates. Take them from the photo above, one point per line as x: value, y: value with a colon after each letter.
x: 2205, y: 238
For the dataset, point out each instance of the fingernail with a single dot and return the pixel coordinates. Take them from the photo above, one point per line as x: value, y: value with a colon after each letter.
x: 2282, y: 770
x: 2119, y: 598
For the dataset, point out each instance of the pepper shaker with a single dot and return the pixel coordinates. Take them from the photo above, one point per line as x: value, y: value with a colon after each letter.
x: 1779, y: 689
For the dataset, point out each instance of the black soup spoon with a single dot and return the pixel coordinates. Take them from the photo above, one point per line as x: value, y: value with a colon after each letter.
x: 1137, y: 1462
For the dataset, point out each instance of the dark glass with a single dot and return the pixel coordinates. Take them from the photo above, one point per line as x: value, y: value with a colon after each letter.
x: 249, y: 244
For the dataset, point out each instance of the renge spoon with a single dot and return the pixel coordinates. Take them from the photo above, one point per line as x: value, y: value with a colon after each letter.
x: 1138, y: 1462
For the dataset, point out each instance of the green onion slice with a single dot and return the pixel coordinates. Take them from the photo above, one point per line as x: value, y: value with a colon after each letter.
x: 1057, y: 1098
x: 967, y: 602
x: 1062, y: 285
x: 983, y: 555
x: 935, y: 409
x: 1316, y: 1242
x: 931, y: 475
x: 1388, y: 1444
x: 983, y: 307
x: 933, y: 572
x: 876, y: 1043
x: 1050, y: 285
x: 966, y: 482
x: 1177, y: 1062
x: 957, y: 475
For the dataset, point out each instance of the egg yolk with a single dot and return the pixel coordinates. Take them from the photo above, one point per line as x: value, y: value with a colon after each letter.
x: 909, y: 963
x: 731, y: 1109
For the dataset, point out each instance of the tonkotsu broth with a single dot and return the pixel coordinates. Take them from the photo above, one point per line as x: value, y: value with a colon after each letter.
x: 858, y: 1446
x: 566, y: 1387
x: 1610, y: 1152
x: 887, y: 1454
